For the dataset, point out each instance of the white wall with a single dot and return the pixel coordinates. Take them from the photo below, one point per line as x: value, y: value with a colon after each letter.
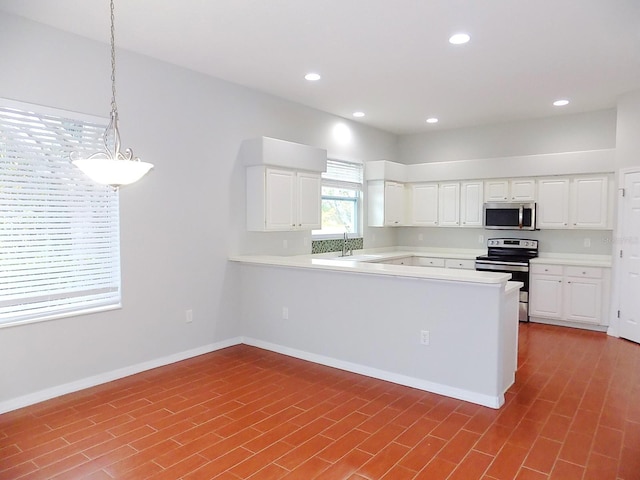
x: 628, y: 132
x: 179, y: 223
x: 564, y: 133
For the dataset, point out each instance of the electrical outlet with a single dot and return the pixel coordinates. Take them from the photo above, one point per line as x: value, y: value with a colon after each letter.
x: 285, y: 313
x: 188, y: 316
x: 480, y: 238
x: 285, y: 244
x: 587, y: 242
x: 424, y: 337
x: 420, y: 237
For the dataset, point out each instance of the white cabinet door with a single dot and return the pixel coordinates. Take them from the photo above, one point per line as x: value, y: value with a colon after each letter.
x: 583, y: 299
x: 279, y: 200
x: 394, y: 204
x: 496, y: 190
x: 545, y: 296
x: 463, y: 264
x: 523, y: 190
x: 553, y: 203
x: 471, y: 204
x: 589, y: 202
x: 449, y: 205
x: 309, y: 203
x: 424, y: 204
x: 428, y: 262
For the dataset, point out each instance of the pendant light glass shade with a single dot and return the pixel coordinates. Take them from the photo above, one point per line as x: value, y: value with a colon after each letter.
x: 111, y: 166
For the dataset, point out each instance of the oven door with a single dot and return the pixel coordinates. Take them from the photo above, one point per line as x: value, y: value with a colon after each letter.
x: 519, y: 273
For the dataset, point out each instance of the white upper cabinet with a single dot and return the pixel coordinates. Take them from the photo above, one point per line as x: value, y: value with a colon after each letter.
x: 471, y: 204
x: 589, y: 206
x: 386, y: 203
x: 424, y: 204
x: 578, y: 202
x: 496, y: 190
x: 283, y: 184
x: 449, y: 204
x: 282, y: 199
x: 309, y: 200
x: 394, y: 203
x: 522, y: 190
x: 279, y: 199
x: 553, y: 203
x: 514, y: 190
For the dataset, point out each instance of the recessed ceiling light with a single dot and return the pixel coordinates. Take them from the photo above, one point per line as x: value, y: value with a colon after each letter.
x: 432, y: 120
x: 561, y: 103
x: 312, y: 77
x: 459, y: 38
x: 358, y: 114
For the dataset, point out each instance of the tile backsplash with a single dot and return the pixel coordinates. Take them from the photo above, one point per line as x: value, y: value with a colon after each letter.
x: 325, y: 246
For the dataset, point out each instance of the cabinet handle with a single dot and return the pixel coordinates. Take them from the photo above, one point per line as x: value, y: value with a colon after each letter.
x: 584, y: 273
x: 299, y: 224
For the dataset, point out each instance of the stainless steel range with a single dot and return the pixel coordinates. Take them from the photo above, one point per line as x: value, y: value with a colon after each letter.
x: 511, y: 255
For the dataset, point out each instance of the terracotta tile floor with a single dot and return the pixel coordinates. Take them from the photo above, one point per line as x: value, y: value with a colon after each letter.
x: 574, y: 413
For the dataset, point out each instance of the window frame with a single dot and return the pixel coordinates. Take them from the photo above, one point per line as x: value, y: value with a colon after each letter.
x: 357, y: 199
x: 103, y: 291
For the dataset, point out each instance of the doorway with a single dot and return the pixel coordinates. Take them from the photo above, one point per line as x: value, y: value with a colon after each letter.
x: 628, y: 251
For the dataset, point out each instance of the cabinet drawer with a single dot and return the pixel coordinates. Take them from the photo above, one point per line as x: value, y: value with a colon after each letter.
x: 546, y: 269
x: 429, y: 262
x: 586, y: 272
x: 457, y: 263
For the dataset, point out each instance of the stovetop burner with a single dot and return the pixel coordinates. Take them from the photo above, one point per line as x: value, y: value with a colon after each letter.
x: 510, y: 250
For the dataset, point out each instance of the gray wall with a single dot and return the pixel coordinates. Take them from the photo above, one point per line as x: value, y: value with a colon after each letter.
x: 179, y: 224
x: 566, y: 133
x: 628, y: 133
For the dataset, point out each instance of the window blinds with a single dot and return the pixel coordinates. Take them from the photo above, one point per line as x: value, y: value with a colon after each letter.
x: 343, y: 174
x: 59, y: 232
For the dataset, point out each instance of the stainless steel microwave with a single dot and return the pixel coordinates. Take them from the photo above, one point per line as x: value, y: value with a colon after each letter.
x: 510, y: 216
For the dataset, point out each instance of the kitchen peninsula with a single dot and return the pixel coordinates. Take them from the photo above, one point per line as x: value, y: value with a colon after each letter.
x: 443, y: 330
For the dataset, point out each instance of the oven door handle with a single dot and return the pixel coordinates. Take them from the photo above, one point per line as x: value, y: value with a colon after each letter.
x: 520, y: 216
x: 487, y: 267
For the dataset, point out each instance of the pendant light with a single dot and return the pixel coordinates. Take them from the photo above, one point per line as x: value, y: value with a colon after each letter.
x: 111, y: 166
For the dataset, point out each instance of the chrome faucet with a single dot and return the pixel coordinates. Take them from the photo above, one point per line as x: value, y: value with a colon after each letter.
x: 346, y: 251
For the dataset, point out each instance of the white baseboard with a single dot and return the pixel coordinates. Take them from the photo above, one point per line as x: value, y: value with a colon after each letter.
x: 446, y: 390
x: 438, y: 388
x: 71, y: 387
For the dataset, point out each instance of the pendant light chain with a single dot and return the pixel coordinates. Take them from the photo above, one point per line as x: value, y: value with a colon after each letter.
x: 114, y: 107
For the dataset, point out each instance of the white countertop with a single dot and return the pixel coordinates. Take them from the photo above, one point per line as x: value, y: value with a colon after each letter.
x: 603, y: 261
x: 360, y: 263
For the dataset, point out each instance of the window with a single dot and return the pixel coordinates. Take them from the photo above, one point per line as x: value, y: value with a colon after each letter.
x: 341, y: 199
x: 59, y: 231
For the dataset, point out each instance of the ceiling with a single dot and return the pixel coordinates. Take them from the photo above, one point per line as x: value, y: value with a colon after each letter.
x: 388, y: 58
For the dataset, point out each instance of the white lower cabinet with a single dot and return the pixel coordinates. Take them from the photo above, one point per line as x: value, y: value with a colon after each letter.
x: 428, y: 262
x: 460, y: 263
x: 416, y: 261
x: 569, y: 293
